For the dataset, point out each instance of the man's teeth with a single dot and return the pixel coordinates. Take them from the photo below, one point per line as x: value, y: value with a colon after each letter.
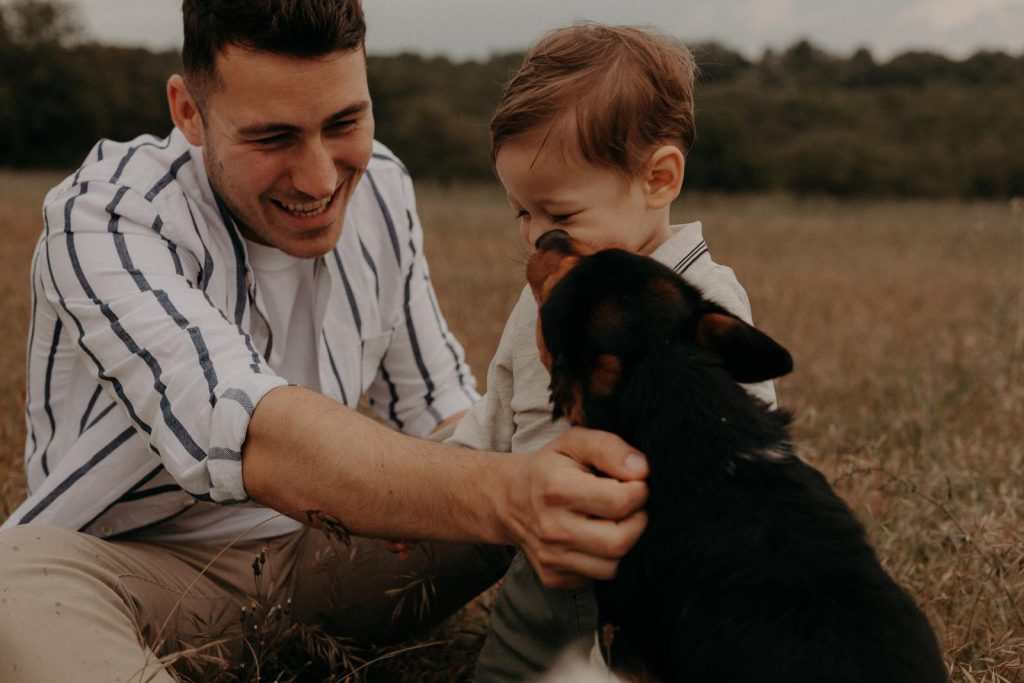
x: 305, y: 209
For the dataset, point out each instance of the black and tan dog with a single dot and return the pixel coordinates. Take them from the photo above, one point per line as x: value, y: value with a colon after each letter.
x: 751, y: 568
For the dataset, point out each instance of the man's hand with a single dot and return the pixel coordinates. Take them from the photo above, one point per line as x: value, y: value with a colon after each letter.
x: 572, y: 523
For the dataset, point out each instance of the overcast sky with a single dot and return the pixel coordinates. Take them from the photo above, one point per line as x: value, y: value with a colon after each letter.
x: 477, y: 28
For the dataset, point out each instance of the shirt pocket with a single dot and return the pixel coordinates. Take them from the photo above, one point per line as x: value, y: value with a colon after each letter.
x: 374, y: 348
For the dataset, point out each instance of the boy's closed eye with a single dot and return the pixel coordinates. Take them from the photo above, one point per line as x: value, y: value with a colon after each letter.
x: 556, y: 218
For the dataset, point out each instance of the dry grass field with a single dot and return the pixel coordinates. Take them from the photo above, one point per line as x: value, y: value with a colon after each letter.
x: 906, y: 322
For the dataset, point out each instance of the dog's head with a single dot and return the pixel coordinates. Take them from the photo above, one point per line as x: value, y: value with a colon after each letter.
x: 604, y: 312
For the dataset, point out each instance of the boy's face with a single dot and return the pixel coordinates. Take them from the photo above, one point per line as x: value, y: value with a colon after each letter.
x: 286, y: 140
x: 549, y: 188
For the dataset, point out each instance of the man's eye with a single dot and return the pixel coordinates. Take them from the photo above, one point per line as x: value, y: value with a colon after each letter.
x: 341, y: 125
x: 269, y: 141
x: 521, y: 214
x: 561, y: 219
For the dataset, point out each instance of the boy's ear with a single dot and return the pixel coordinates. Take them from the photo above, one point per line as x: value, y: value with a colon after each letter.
x: 184, y: 110
x: 748, y: 354
x: 663, y: 176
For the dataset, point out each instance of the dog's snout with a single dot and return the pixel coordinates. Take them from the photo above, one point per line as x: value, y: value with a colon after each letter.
x: 553, y: 239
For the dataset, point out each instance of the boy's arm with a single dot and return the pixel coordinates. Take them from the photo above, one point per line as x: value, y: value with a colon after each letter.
x: 304, y: 452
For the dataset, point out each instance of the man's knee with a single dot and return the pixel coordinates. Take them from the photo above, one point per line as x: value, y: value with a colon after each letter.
x: 39, y: 564
x: 58, y: 589
x: 35, y: 552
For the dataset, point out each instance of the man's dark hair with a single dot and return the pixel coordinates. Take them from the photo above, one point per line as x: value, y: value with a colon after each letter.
x: 297, y: 28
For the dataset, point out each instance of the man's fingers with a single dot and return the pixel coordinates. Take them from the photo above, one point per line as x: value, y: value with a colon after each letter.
x: 575, y: 570
x: 608, y: 540
x: 604, y: 452
x: 607, y: 498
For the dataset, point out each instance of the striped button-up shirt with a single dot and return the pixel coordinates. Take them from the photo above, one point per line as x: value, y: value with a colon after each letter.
x: 148, y: 346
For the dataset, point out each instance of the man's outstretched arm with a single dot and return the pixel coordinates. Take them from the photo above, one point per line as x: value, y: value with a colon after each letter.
x: 304, y: 452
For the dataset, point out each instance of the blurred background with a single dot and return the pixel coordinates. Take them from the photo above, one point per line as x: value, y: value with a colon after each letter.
x: 917, y: 98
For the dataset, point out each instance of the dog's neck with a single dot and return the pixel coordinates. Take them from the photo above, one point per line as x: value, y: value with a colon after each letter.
x: 690, y: 418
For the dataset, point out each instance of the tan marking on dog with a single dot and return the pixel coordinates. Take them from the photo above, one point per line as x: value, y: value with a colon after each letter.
x: 667, y: 290
x: 546, y: 267
x: 542, y: 348
x: 574, y: 411
x: 713, y: 326
x: 605, y: 376
x: 544, y: 270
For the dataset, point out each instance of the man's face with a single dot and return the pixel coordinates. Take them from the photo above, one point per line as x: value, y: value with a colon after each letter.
x: 285, y: 141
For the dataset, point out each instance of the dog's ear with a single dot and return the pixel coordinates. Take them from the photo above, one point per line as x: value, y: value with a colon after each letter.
x: 747, y: 353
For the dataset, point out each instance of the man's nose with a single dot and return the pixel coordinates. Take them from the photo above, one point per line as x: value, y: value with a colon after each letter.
x: 314, y: 173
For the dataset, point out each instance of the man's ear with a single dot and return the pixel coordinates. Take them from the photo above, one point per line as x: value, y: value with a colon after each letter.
x: 747, y: 353
x: 184, y: 110
x: 663, y: 176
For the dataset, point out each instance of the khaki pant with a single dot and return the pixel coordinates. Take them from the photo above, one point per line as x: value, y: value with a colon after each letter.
x: 77, y: 608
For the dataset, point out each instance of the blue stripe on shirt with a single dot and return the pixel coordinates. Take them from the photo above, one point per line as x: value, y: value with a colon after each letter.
x: 101, y: 371
x: 176, y: 427
x: 88, y: 409
x: 460, y: 367
x: 349, y: 294
x: 392, y: 412
x: 31, y: 345
x: 394, y: 160
x: 334, y: 370
x: 97, y: 458
x: 241, y: 289
x: 388, y: 220
x: 100, y: 415
x: 410, y: 327
x: 373, y: 267
x: 169, y: 176
x: 206, y: 272
x: 142, y: 482
x: 48, y: 392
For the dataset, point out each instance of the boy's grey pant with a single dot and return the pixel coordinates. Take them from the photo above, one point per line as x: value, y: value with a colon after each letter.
x: 77, y: 608
x: 532, y: 625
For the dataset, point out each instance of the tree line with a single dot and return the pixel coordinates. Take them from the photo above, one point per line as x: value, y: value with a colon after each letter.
x: 800, y: 119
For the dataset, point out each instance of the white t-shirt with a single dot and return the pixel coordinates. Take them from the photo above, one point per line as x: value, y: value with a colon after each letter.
x: 287, y: 289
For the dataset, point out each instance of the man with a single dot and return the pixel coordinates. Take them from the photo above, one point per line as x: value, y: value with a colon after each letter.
x: 208, y: 308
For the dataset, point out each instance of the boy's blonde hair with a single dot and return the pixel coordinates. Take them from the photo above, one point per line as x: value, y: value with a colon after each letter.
x: 629, y: 89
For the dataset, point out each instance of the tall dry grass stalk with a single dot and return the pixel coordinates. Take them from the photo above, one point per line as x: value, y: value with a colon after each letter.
x: 905, y: 322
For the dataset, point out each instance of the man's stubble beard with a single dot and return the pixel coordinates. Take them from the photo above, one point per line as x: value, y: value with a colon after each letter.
x: 221, y: 189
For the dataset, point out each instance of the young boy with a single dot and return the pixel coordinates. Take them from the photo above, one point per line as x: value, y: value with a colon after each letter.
x: 590, y: 137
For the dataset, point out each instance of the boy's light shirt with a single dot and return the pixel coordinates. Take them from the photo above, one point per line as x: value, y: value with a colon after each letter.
x: 515, y: 413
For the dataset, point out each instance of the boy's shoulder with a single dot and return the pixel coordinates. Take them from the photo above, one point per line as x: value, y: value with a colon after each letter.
x: 687, y: 253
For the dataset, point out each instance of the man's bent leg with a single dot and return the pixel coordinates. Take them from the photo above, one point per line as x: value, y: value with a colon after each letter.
x: 74, y: 607
x: 365, y: 592
x: 62, y: 615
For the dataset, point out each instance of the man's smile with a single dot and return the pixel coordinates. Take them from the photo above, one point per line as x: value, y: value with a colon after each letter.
x: 305, y: 209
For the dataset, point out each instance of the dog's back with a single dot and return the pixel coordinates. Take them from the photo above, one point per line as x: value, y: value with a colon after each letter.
x: 751, y: 568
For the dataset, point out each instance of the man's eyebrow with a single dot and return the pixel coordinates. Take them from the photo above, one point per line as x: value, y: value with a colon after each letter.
x: 266, y: 128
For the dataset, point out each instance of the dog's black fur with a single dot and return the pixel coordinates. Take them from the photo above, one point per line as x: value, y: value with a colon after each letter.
x: 751, y: 568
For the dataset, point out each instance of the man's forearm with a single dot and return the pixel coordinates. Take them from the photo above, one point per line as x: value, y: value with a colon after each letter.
x: 317, y: 461
x: 305, y: 453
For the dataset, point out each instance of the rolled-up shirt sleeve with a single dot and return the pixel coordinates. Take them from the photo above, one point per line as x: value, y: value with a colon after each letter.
x: 133, y: 299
